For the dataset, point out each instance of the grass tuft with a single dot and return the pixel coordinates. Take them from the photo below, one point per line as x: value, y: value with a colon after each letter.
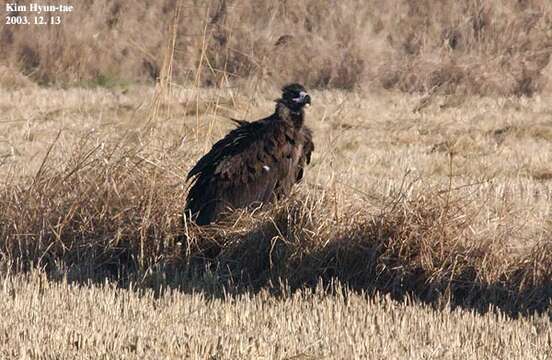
x: 107, y: 212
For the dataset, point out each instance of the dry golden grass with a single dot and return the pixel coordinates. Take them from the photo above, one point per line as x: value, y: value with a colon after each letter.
x: 468, y: 46
x: 441, y: 198
x: 42, y: 319
x: 450, y: 203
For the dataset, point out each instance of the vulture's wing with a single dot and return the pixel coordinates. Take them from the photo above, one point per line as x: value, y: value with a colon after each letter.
x: 232, y: 144
x: 240, y: 122
x: 240, y: 169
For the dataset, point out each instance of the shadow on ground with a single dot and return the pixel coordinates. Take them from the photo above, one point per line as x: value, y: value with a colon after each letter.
x: 272, y: 256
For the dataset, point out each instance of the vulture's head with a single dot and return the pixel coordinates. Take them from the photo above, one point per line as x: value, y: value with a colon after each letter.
x: 295, y: 97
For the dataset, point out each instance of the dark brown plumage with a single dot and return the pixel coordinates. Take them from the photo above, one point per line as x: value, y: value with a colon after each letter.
x: 253, y: 164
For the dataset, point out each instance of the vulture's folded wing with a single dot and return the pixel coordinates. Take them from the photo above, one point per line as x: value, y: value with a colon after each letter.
x: 242, y: 168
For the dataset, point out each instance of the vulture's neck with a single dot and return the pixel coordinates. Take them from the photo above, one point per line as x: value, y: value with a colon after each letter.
x: 295, y: 118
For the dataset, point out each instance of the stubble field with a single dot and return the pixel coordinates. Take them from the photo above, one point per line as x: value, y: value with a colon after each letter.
x: 423, y: 227
x: 443, y: 203
x: 44, y: 320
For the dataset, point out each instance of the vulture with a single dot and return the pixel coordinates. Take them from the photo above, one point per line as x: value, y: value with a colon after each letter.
x: 255, y: 163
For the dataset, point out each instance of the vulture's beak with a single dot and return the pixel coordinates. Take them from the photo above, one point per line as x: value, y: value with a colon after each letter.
x: 307, y: 100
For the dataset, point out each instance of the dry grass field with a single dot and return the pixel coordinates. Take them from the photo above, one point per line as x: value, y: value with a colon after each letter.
x: 469, y: 46
x: 443, y: 201
x: 56, y: 320
x: 422, y: 229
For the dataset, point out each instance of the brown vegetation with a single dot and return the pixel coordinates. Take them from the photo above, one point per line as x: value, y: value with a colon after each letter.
x: 434, y: 196
x: 446, y: 204
x: 476, y: 47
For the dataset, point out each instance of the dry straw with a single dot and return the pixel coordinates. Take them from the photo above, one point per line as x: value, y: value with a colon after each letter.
x: 461, y: 47
x: 105, y: 207
x: 106, y: 211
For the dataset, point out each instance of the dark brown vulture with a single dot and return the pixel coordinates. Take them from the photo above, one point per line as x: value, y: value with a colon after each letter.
x: 255, y: 163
